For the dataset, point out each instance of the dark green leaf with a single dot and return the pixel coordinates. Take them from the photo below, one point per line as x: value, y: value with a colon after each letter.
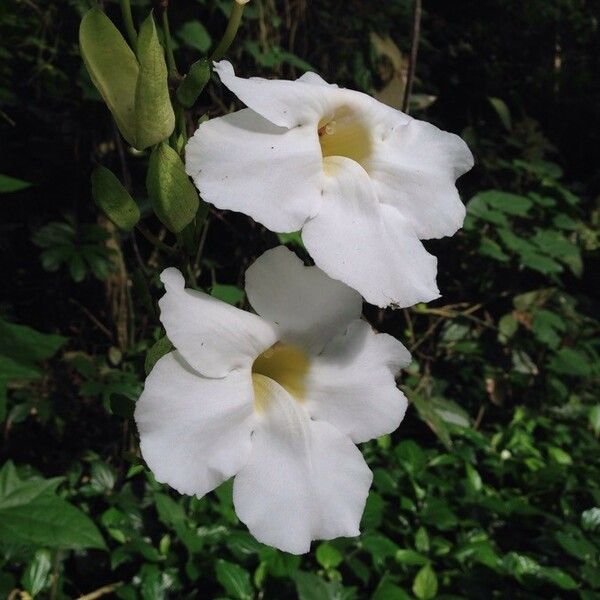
x: 234, y: 579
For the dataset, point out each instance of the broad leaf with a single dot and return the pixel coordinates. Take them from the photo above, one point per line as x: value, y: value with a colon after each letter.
x: 113, y: 199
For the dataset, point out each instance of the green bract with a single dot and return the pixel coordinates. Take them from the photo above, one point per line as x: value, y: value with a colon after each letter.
x: 136, y: 93
x: 174, y: 198
x: 114, y: 199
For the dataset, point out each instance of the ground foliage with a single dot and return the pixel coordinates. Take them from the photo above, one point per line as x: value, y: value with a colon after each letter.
x: 490, y: 488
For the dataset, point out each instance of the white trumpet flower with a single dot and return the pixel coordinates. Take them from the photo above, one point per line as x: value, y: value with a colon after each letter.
x: 277, y: 399
x: 364, y: 182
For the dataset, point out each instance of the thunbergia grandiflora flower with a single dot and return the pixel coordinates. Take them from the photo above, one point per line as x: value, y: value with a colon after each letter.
x: 277, y: 399
x: 364, y: 182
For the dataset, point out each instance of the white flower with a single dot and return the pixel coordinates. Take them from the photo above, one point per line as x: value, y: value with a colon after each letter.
x: 277, y: 400
x: 362, y: 180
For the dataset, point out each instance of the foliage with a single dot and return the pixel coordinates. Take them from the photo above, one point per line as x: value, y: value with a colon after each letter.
x: 490, y: 487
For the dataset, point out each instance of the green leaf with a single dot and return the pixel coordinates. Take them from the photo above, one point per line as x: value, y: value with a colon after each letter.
x: 122, y: 406
x: 234, y: 579
x: 49, y: 521
x: 559, y: 456
x: 328, y: 556
x: 113, y: 199
x: 25, y: 492
x: 36, y: 572
x: 154, y: 116
x: 569, y: 361
x: 590, y: 519
x: 425, y: 585
x: 576, y: 545
x: 156, y: 352
x: 547, y: 326
x: 411, y: 558
x: 541, y: 263
x: 174, y: 197
x: 10, y: 184
x: 488, y: 247
x: 594, y: 418
x: 193, y: 83
x: 113, y: 68
x: 194, y: 35
x: 388, y: 590
x: 502, y: 111
x: 312, y: 587
x: 26, y: 345
x: 379, y: 546
x: 169, y: 511
x: 228, y: 293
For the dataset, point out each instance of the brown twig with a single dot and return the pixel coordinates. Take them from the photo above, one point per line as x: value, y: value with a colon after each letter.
x: 414, y: 49
x: 106, y: 589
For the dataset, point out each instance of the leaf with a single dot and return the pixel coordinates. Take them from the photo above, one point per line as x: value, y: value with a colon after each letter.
x: 169, y: 511
x: 576, y: 545
x: 328, y: 556
x: 174, y: 197
x: 36, y: 572
x: 28, y: 491
x: 379, y: 546
x: 194, y: 35
x: 113, y: 68
x: 594, y: 418
x: 10, y: 184
x: 569, y: 361
x: 511, y: 204
x: 502, y: 111
x: 26, y: 345
x: 154, y: 116
x: 312, y: 587
x: 428, y: 414
x: 590, y: 519
x: 113, y: 199
x: 488, y: 247
x: 234, y: 579
x: 228, y: 293
x: 388, y: 590
x: 194, y: 82
x: 425, y: 585
x: 156, y: 352
x: 411, y: 558
x: 49, y: 521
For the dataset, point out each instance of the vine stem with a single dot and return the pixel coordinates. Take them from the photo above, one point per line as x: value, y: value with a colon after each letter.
x: 235, y: 17
x: 168, y: 43
x: 155, y: 241
x: 128, y: 21
x: 414, y: 50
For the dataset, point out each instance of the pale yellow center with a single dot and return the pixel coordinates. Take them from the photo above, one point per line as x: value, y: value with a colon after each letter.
x: 283, y: 363
x: 345, y: 134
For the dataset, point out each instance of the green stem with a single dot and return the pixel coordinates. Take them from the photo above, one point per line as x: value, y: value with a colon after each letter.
x: 155, y: 241
x: 169, y: 44
x: 129, y: 26
x: 233, y: 25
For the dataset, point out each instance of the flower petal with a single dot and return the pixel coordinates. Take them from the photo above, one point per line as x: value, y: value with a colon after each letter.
x: 195, y: 432
x: 414, y: 167
x: 309, y: 307
x: 212, y: 336
x: 283, y: 102
x: 368, y: 245
x: 304, y: 480
x: 243, y: 162
x: 351, y: 384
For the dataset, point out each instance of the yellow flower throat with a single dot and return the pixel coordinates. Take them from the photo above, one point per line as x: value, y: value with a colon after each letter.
x: 283, y: 363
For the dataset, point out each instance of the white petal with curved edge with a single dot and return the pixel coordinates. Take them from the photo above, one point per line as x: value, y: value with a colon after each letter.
x: 243, y: 162
x: 351, y: 383
x: 213, y: 336
x: 195, y: 432
x: 304, y: 480
x: 368, y: 245
x: 309, y: 307
x: 310, y: 77
x: 283, y: 102
x: 414, y: 168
